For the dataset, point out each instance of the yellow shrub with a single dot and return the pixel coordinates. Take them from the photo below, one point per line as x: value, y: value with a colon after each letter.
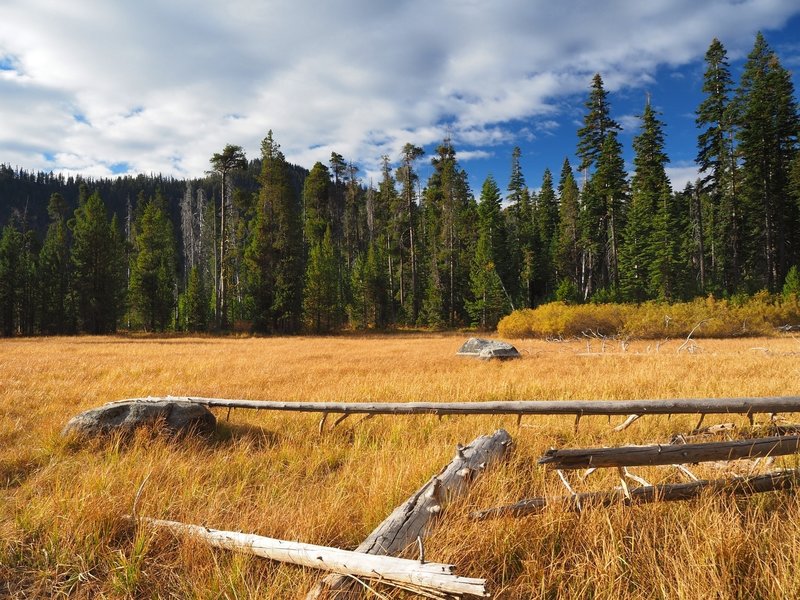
x: 702, y: 317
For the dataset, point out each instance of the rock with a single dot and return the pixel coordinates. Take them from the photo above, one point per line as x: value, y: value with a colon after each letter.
x: 126, y: 416
x: 488, y: 349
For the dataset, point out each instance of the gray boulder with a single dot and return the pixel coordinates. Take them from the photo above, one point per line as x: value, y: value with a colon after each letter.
x: 126, y: 416
x: 488, y: 349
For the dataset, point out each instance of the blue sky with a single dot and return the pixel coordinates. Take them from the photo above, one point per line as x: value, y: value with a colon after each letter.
x: 110, y: 87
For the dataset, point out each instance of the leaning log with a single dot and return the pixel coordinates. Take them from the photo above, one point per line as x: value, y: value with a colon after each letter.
x: 744, y: 406
x: 412, y: 519
x: 400, y: 572
x: 669, y: 454
x: 741, y: 486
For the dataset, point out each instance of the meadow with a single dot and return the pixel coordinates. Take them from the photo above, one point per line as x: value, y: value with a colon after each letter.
x: 63, y: 502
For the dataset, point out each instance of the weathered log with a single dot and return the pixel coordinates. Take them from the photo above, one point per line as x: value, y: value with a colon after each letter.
x: 672, y: 492
x: 744, y: 406
x: 668, y: 454
x: 412, y: 519
x: 433, y: 577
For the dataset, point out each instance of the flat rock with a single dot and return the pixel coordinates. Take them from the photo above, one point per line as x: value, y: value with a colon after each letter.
x: 126, y: 416
x: 488, y: 349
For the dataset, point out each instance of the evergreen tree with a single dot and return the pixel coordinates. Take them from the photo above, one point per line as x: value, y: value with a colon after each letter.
x: 446, y: 239
x: 98, y: 262
x: 224, y: 163
x: 489, y: 298
x: 602, y: 220
x: 11, y: 251
x: 198, y: 301
x: 546, y: 221
x: 55, y: 307
x: 649, y: 193
x: 768, y: 130
x: 718, y: 223
x: 274, y: 256
x: 153, y: 272
x: 321, y: 301
x: 411, y: 300
x: 517, y: 267
x: 597, y: 125
x: 568, y: 248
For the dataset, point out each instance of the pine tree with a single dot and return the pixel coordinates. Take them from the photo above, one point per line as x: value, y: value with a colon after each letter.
x: 54, y: 272
x: 568, y: 249
x: 321, y: 300
x: 198, y: 301
x: 274, y: 257
x: 546, y: 221
x: 153, y: 272
x: 445, y: 222
x: 406, y: 175
x: 720, y: 236
x: 768, y: 130
x: 11, y: 250
x: 224, y: 163
x: 98, y: 262
x: 649, y: 192
x: 597, y: 125
x: 489, y: 298
x: 517, y: 267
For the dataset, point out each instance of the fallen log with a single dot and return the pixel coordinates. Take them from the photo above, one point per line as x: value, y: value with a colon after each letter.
x: 672, y: 492
x: 401, y: 572
x: 411, y: 520
x: 668, y: 454
x: 744, y: 406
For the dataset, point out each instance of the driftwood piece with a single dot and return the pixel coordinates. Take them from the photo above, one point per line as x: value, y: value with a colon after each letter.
x: 411, y: 520
x: 742, y: 486
x: 668, y: 454
x: 709, y: 406
x: 433, y: 577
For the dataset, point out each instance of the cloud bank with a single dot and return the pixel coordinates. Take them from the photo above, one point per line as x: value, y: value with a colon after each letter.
x: 102, y: 87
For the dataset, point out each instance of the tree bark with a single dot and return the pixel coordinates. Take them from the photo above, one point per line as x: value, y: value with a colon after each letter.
x: 400, y: 572
x: 412, y: 519
x: 669, y: 454
x: 739, y: 486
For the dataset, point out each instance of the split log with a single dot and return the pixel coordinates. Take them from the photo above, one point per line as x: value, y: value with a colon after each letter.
x: 744, y: 406
x: 741, y: 486
x: 404, y: 573
x: 412, y: 519
x: 630, y: 456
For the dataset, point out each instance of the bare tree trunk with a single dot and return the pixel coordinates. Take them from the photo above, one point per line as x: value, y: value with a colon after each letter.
x: 738, y: 486
x: 412, y: 519
x: 670, y: 454
x: 400, y: 572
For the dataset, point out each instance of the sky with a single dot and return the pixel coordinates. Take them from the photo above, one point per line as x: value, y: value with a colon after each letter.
x: 113, y: 87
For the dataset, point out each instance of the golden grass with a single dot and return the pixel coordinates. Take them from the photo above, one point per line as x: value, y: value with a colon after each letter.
x: 62, y: 503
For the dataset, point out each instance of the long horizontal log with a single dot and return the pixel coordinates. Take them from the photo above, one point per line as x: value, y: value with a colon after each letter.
x: 388, y: 569
x: 745, y: 406
x: 669, y: 454
x: 742, y: 486
x: 413, y: 518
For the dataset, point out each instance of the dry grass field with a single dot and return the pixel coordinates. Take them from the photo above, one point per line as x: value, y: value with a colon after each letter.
x: 62, y: 532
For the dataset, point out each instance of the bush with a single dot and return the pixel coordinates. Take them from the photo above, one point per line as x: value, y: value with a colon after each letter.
x: 708, y: 317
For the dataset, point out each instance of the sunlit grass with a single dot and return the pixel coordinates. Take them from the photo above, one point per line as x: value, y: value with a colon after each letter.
x: 62, y: 504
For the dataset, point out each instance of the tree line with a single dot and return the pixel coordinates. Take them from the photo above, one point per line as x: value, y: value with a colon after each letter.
x: 267, y: 246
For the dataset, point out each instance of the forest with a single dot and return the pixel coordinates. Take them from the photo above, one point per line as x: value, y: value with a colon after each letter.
x: 266, y: 246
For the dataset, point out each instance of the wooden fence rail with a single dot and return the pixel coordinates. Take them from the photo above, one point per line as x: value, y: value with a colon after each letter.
x: 669, y: 454
x: 754, y: 484
x: 579, y: 408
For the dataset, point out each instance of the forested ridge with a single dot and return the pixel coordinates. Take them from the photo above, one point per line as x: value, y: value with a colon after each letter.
x: 267, y: 246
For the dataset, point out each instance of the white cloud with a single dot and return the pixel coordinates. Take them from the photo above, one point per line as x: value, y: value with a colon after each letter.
x: 163, y: 85
x: 681, y: 174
